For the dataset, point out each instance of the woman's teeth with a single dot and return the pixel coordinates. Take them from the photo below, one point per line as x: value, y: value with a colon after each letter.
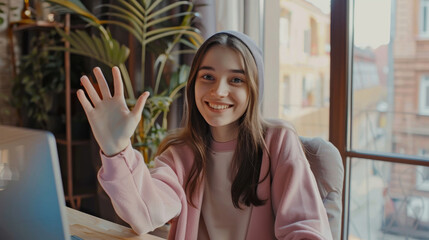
x: 218, y: 107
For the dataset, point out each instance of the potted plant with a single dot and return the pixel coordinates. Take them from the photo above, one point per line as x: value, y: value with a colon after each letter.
x: 162, y: 28
x: 39, y: 81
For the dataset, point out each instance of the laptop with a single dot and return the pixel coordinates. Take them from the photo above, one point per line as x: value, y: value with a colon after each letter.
x: 32, y: 204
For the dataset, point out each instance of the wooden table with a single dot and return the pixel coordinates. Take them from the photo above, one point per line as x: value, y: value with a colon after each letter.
x: 89, y: 227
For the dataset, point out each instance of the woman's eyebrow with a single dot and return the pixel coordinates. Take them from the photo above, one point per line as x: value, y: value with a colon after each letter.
x: 206, y: 68
x: 237, y: 71
x: 241, y: 71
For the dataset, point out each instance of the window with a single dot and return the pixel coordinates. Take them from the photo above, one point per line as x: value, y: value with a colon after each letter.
x: 422, y: 174
x: 303, y: 79
x: 418, y: 208
x: 285, y: 97
x: 424, y: 95
x: 424, y: 18
x: 372, y: 113
x: 377, y: 74
x: 309, y: 91
x: 307, y: 41
x: 285, y: 24
x: 314, y: 35
x: 422, y: 178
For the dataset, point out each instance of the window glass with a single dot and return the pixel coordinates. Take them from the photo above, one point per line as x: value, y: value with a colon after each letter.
x: 424, y: 18
x: 424, y: 95
x: 388, y: 201
x: 389, y: 116
x: 304, y: 61
x: 390, y: 78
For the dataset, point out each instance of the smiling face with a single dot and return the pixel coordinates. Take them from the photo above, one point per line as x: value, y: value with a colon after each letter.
x: 221, y: 91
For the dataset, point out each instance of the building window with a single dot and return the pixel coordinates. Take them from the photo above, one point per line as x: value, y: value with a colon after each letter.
x: 285, y: 95
x: 422, y: 174
x: 424, y: 95
x: 424, y: 18
x: 307, y: 41
x: 308, y: 91
x: 314, y: 35
x: 285, y: 24
x: 422, y: 178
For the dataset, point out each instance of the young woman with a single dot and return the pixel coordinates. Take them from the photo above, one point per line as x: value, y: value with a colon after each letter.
x: 227, y: 174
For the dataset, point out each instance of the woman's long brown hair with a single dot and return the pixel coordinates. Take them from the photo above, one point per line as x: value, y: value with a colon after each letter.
x: 196, y: 133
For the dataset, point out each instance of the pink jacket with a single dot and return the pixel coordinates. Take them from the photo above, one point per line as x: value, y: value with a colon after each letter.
x: 148, y: 199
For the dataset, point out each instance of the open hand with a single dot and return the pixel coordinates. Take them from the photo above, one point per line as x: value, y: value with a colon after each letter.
x: 111, y: 121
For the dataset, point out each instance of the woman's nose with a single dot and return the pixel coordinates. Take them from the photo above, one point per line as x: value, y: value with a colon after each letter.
x: 221, y: 89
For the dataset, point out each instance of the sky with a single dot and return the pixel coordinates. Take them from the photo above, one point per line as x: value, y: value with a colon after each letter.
x: 372, y: 21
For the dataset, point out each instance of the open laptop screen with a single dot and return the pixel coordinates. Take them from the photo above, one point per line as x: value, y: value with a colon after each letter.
x: 31, y: 192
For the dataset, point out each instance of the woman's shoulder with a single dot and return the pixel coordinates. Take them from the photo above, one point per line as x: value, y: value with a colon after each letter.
x: 278, y: 128
x: 281, y: 136
x: 177, y: 150
x: 175, y: 144
x: 283, y: 143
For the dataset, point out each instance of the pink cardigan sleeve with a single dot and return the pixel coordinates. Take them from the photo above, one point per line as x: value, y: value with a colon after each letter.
x: 297, y: 205
x: 144, y: 200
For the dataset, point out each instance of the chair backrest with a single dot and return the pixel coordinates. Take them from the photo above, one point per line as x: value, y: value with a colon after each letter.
x: 327, y: 166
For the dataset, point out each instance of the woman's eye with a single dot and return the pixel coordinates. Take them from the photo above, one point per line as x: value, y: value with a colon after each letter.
x: 236, y: 80
x: 207, y: 77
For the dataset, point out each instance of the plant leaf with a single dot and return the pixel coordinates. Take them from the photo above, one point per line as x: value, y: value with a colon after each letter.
x: 130, y: 15
x: 75, y: 6
x: 137, y: 5
x: 158, y: 36
x: 163, y: 19
x: 188, y: 44
x: 167, y: 29
x: 108, y: 51
x: 153, y: 6
x: 123, y: 25
x: 167, y: 8
x: 136, y: 8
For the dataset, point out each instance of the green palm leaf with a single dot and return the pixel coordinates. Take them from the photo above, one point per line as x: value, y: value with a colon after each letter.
x: 169, y: 17
x: 168, y: 8
x: 137, y: 33
x: 75, y: 6
x: 189, y: 44
x: 167, y: 29
x: 138, y: 25
x: 130, y: 15
x: 195, y: 35
x: 134, y: 7
x: 153, y: 6
x: 107, y: 51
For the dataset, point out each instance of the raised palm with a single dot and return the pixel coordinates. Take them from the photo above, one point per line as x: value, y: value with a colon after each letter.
x: 111, y: 121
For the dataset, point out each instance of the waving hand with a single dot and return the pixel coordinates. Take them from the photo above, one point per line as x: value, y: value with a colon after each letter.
x: 111, y: 121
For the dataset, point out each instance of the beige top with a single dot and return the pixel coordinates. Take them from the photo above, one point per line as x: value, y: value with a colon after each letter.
x: 219, y: 218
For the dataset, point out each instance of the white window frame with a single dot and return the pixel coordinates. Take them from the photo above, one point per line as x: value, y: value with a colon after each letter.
x: 424, y: 18
x: 423, y: 95
x: 271, y: 106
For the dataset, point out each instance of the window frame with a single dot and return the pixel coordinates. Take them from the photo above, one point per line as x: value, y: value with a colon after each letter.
x: 340, y: 101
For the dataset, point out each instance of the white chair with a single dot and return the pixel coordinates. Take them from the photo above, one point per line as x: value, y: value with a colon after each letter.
x: 327, y: 166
